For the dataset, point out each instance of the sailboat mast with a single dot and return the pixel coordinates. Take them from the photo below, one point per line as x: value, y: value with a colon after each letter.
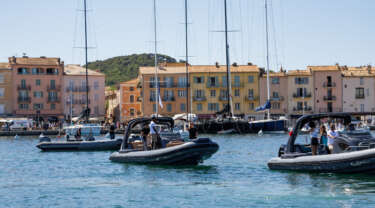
x: 87, y: 79
x: 229, y: 86
x: 187, y: 62
x: 156, y: 63
x: 268, y: 61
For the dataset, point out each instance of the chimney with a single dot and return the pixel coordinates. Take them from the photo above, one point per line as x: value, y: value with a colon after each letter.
x: 235, y: 64
x: 249, y: 63
x: 42, y: 57
x: 217, y: 64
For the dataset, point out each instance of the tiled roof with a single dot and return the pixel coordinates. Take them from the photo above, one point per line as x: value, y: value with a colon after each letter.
x: 358, y: 73
x: 73, y: 69
x: 198, y: 69
x: 131, y: 82
x: 4, y: 66
x: 275, y: 74
x: 324, y: 68
x: 299, y: 73
x: 34, y: 61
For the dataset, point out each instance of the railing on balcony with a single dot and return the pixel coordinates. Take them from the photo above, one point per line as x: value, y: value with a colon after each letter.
x: 53, y: 100
x: 359, y: 96
x: 280, y: 98
x: 23, y: 87
x: 306, y: 108
x: 329, y: 98
x: 251, y: 98
x: 181, y: 84
x: 152, y: 99
x: 77, y: 89
x: 168, y: 98
x: 237, y: 84
x: 210, y: 84
x: 53, y: 87
x: 24, y: 99
x: 164, y: 84
x: 299, y: 95
x: 78, y: 101
x: 329, y: 84
x: 199, y: 98
x: 223, y: 98
x: 330, y: 110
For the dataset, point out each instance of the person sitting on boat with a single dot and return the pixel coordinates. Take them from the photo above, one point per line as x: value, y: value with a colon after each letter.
x: 193, y: 132
x: 323, y: 138
x: 332, y: 134
x: 78, y: 134
x: 154, y: 133
x: 144, y: 133
x: 112, y: 131
x: 314, y: 134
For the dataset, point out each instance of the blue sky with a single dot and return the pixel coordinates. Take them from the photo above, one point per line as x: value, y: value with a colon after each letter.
x: 302, y: 32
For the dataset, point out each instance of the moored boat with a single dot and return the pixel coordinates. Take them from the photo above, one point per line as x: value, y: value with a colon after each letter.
x: 353, y: 151
x: 80, y: 145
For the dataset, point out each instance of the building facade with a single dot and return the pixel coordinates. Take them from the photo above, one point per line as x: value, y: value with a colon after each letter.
x: 130, y: 100
x: 112, y: 100
x: 278, y: 92
x: 300, y: 92
x: 6, y: 90
x: 36, y: 86
x: 327, y: 88
x: 358, y: 89
x: 74, y: 91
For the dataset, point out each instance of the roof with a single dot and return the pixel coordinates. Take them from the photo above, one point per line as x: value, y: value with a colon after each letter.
x: 130, y: 82
x: 198, y: 69
x: 4, y: 66
x: 35, y: 61
x: 74, y: 69
x: 299, y: 73
x: 275, y: 74
x: 357, y: 72
x: 324, y: 68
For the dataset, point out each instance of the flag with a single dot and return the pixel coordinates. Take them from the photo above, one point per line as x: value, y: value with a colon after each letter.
x: 264, y: 107
x: 160, y: 101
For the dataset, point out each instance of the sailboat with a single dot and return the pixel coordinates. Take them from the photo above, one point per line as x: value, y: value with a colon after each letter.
x: 74, y: 142
x: 268, y: 125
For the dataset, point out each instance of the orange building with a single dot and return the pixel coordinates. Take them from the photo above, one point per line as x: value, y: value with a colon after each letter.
x: 130, y: 100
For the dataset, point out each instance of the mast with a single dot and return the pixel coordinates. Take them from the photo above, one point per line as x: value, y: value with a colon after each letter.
x: 156, y: 64
x: 187, y: 63
x: 268, y: 61
x: 87, y: 78
x: 229, y: 86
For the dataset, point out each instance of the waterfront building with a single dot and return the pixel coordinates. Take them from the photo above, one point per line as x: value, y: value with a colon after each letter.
x: 300, y: 93
x: 209, y: 89
x: 74, y: 92
x: 172, y: 87
x: 327, y: 88
x: 130, y: 100
x: 112, y: 98
x: 6, y: 94
x: 36, y: 87
x: 278, y: 92
x: 358, y: 89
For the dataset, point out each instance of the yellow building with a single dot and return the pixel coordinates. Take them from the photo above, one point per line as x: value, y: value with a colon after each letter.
x: 208, y: 87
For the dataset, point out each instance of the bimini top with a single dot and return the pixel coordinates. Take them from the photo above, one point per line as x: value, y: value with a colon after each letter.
x: 145, y: 121
x: 313, y: 117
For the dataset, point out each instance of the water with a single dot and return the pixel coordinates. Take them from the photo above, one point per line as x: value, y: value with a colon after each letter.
x: 236, y: 176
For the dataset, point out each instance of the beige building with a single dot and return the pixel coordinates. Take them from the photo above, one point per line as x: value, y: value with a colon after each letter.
x: 300, y: 92
x: 74, y: 93
x: 6, y: 94
x: 112, y: 96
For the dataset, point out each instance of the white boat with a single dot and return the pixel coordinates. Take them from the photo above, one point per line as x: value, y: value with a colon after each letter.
x: 87, y: 129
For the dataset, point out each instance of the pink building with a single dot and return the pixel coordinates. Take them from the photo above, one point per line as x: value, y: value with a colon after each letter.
x: 327, y: 88
x: 36, y: 86
x: 74, y: 93
x: 278, y: 92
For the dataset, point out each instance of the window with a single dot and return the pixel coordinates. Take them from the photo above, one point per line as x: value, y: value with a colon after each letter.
x: 152, y: 96
x: 38, y: 106
x: 132, y: 112
x: 199, y: 93
x: 237, y: 92
x: 22, y: 71
x: 275, y: 94
x: 96, y: 97
x: 213, y: 106
x: 23, y: 106
x: 198, y: 80
x: 1, y: 78
x: 131, y: 98
x: 275, y: 105
x: 154, y: 108
x: 96, y: 85
x: 237, y: 106
x: 213, y: 93
x: 52, y: 71
x: 224, y: 80
x: 182, y: 106
x: 38, y: 94
x: 361, y: 81
x: 212, y: 82
x: 275, y: 80
x: 301, y: 80
x: 181, y: 82
x: 37, y: 82
x: 36, y: 71
x: 53, y: 84
x: 23, y: 83
x: 96, y: 110
x: 250, y: 79
x: 251, y: 106
x: 199, y: 106
x: 53, y: 106
x: 2, y: 92
x: 250, y: 93
x: 169, y: 107
x: 362, y: 107
x: 237, y: 81
x: 359, y: 93
x: 181, y: 93
x: 131, y: 88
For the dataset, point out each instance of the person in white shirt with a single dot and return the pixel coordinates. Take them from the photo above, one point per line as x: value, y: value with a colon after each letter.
x: 314, y: 134
x: 154, y: 135
x: 332, y: 134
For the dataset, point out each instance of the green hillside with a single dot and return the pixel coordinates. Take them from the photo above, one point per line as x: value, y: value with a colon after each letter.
x: 124, y: 68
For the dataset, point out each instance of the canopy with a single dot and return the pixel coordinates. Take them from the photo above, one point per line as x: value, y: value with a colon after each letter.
x: 182, y: 116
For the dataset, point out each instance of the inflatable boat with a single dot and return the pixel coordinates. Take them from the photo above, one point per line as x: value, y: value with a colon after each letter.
x: 174, y: 151
x: 353, y: 151
x: 79, y: 145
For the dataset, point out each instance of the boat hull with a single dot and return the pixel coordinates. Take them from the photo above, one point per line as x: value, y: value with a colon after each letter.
x: 269, y: 126
x: 351, y: 162
x: 98, y: 145
x: 190, y: 153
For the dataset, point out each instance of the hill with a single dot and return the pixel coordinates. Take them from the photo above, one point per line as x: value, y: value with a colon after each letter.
x: 123, y: 68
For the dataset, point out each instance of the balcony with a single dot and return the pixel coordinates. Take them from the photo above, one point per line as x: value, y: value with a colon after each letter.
x: 181, y: 85
x: 53, y: 88
x: 223, y: 98
x: 77, y: 89
x: 77, y: 101
x: 212, y: 85
x: 199, y: 98
x: 251, y: 98
x: 359, y: 96
x: 236, y: 84
x: 299, y: 95
x: 306, y: 108
x: 329, y: 84
x: 53, y: 100
x: 330, y: 110
x: 280, y: 98
x: 329, y: 98
x: 24, y: 99
x: 23, y: 87
x: 168, y: 98
x: 163, y: 85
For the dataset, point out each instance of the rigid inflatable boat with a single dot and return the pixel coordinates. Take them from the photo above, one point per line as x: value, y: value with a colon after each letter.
x: 353, y: 150
x: 190, y: 152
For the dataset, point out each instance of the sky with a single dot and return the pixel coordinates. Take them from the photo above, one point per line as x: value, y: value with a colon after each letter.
x: 301, y: 32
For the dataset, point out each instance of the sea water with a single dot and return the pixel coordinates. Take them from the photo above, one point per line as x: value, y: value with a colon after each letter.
x: 236, y: 176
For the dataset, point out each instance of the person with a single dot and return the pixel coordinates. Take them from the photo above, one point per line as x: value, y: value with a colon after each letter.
x: 78, y: 134
x: 112, y: 131
x: 332, y: 134
x: 144, y: 133
x: 193, y: 133
x: 153, y: 132
x: 314, y: 137
x: 323, y: 138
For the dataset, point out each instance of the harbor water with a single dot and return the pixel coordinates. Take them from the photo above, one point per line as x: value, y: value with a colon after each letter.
x: 236, y: 176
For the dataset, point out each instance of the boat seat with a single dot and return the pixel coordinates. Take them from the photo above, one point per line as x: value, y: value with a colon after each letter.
x: 295, y: 154
x: 174, y: 143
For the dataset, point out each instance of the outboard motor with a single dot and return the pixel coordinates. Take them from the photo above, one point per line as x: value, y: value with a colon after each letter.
x: 43, y: 138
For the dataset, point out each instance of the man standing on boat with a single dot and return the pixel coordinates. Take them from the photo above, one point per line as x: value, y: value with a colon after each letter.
x: 193, y: 133
x: 153, y: 132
